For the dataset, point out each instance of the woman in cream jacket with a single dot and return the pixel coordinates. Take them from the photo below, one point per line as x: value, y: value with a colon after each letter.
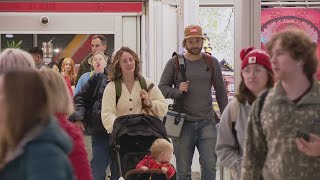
x: 126, y: 66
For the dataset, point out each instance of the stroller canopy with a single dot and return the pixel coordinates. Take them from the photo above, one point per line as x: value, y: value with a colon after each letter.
x: 138, y: 125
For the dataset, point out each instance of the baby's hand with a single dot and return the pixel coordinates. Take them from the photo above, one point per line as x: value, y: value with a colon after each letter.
x: 144, y: 168
x: 164, y: 169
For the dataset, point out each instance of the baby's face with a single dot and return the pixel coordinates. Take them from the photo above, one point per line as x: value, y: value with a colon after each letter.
x: 166, y: 156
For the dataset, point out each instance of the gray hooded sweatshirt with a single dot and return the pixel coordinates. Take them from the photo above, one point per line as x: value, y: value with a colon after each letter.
x: 228, y: 154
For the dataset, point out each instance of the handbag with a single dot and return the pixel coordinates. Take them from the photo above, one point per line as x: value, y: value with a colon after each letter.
x: 173, y: 122
x: 175, y: 117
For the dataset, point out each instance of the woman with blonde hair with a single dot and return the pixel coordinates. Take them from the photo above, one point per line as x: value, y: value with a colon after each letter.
x: 32, y: 145
x: 12, y: 58
x: 62, y: 104
x: 67, y: 70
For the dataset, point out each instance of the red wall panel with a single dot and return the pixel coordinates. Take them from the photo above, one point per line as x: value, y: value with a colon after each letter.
x: 70, y: 6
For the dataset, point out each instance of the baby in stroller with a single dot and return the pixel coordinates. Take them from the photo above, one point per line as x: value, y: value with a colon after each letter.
x: 161, y: 154
x: 132, y: 138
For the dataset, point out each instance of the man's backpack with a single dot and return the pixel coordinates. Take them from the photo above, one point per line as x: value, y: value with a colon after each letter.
x: 180, y: 66
x: 234, y: 110
x: 142, y: 82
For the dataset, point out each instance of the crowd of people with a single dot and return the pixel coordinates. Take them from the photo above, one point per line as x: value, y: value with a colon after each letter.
x: 270, y: 130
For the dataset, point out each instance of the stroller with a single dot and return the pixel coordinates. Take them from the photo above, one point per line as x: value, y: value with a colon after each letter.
x: 132, y: 137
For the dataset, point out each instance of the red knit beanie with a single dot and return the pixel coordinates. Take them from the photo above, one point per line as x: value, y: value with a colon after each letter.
x: 255, y: 56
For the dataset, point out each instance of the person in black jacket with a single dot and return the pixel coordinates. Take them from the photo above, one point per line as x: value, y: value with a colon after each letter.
x: 88, y: 112
x: 98, y: 44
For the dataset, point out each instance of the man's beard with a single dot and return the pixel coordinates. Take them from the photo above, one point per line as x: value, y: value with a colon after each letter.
x: 194, y: 51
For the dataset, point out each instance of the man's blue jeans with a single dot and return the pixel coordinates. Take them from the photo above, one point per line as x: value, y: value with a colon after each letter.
x: 200, y: 134
x: 100, y: 155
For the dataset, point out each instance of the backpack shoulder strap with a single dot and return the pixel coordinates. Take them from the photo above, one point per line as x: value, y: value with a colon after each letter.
x: 261, y: 102
x: 143, y: 84
x: 180, y: 66
x: 150, y: 87
x: 176, y: 64
x: 209, y: 64
x: 260, y: 107
x: 117, y: 83
x: 234, y: 110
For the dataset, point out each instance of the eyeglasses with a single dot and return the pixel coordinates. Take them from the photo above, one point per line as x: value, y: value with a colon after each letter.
x: 255, y: 70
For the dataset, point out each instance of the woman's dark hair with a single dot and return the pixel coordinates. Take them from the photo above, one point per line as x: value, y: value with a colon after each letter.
x: 52, y: 63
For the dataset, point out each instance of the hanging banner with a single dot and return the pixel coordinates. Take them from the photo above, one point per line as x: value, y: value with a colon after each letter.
x: 278, y: 19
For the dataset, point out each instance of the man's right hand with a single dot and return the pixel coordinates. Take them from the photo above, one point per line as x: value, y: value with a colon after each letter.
x: 183, y: 87
x: 311, y: 147
x: 79, y: 124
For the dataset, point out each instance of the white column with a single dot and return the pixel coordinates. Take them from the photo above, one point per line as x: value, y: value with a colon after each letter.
x: 190, y: 11
x: 153, y: 41
x: 144, y: 51
x: 188, y: 14
x: 161, y: 34
x: 247, y: 30
x: 165, y: 23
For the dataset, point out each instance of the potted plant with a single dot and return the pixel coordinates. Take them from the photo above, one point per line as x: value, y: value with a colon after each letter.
x: 13, y: 44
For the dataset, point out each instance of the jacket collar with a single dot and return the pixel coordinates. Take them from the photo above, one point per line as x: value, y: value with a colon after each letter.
x: 32, y: 134
x: 311, y: 97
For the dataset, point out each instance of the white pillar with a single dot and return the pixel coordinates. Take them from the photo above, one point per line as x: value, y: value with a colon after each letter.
x: 247, y: 30
x: 188, y: 14
x: 161, y: 34
x: 164, y: 32
x: 150, y: 39
x: 190, y: 11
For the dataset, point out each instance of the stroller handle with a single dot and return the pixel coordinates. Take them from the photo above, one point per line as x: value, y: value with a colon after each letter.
x: 151, y: 171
